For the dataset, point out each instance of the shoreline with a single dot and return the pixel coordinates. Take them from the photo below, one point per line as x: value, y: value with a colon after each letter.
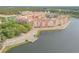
x: 52, y: 29
x: 8, y: 44
x: 10, y: 47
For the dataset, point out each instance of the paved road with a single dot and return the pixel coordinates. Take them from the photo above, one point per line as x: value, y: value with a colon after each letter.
x: 6, y: 15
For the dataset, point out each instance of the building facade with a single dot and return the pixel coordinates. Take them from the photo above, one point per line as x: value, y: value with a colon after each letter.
x: 41, y: 19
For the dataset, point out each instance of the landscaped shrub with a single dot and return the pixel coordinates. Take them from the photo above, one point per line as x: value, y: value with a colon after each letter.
x: 8, y: 32
x: 9, y: 28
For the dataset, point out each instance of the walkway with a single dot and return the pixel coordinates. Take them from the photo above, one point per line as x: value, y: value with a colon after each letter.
x: 22, y: 38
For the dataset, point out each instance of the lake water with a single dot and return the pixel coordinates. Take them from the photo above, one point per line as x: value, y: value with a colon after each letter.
x: 63, y: 41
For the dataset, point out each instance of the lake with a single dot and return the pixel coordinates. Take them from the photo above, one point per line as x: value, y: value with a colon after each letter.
x: 61, y: 41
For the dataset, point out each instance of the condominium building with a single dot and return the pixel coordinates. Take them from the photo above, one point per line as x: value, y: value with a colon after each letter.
x: 42, y: 19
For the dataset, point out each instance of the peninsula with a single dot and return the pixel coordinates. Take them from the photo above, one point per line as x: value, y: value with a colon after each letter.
x: 29, y: 23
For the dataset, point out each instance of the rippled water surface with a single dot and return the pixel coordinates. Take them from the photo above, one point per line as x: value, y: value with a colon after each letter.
x: 54, y: 41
